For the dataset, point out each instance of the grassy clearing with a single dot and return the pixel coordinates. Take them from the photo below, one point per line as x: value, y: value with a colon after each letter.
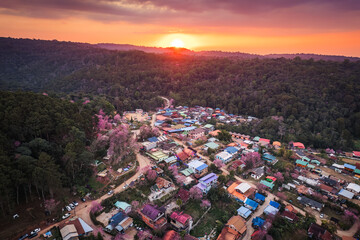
x: 218, y: 215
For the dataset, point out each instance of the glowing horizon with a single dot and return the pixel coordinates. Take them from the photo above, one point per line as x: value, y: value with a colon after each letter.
x: 312, y: 26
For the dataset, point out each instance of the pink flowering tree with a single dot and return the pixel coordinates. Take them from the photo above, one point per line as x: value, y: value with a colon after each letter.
x: 205, y: 203
x: 121, y: 143
x: 294, y: 175
x: 95, y: 207
x: 350, y: 216
x: 195, y: 193
x: 151, y: 175
x: 135, y: 205
x: 218, y: 163
x: 50, y: 205
x: 144, y: 234
x: 252, y: 159
x: 174, y: 170
x: 261, y: 187
x: 117, y: 118
x: 279, y: 176
x: 180, y: 179
x: 17, y: 143
x: 146, y: 132
x: 281, y: 195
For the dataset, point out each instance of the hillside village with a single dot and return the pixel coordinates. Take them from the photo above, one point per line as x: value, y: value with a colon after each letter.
x: 204, y: 183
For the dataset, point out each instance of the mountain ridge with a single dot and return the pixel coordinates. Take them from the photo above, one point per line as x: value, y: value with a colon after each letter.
x: 218, y: 53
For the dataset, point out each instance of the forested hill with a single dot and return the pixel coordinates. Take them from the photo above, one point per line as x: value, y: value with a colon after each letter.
x: 238, y: 55
x: 319, y: 100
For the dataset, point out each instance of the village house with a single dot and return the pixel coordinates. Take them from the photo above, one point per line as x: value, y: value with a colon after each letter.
x: 153, y: 216
x: 317, y: 232
x: 264, y: 142
x: 346, y: 194
x: 149, y: 145
x: 225, y: 157
x: 119, y: 222
x: 353, y: 187
x: 234, y: 229
x: 207, y: 182
x: 196, y: 133
x: 74, y: 229
x: 181, y: 221
x: 269, y: 158
x: 198, y: 167
x: 289, y: 216
x: 185, y: 154
x: 244, y: 212
x: 240, y: 191
x: 257, y: 173
x: 311, y: 203
x: 123, y: 206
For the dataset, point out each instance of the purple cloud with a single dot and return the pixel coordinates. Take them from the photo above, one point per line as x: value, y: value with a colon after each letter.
x: 306, y: 14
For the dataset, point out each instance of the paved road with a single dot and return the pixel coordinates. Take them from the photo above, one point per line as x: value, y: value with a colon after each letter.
x: 351, y: 232
x: 83, y: 209
x: 167, y: 104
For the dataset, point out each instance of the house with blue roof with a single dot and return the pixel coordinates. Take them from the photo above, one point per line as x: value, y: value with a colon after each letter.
x: 269, y: 158
x: 258, y: 222
x: 120, y: 221
x: 275, y: 204
x: 198, y: 167
x: 271, y: 210
x: 349, y: 167
x: 231, y: 150
x: 244, y: 212
x: 259, y: 198
x: 153, y: 139
x: 251, y: 204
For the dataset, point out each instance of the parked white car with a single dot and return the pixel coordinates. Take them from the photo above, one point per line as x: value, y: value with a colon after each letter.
x: 66, y: 215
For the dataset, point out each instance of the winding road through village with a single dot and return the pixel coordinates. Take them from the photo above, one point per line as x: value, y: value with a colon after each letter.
x: 84, y: 208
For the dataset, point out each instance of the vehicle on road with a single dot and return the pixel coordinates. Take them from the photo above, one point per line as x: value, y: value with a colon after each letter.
x: 32, y: 235
x: 83, y: 199
x: 110, y: 192
x: 68, y: 208
x: 36, y: 230
x: 321, y: 215
x: 66, y: 215
x: 23, y: 236
x: 75, y: 203
x: 71, y: 206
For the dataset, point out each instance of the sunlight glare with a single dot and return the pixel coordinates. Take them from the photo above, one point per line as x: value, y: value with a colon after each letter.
x: 177, y: 43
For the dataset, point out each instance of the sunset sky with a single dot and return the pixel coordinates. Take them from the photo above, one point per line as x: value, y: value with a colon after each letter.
x: 253, y: 26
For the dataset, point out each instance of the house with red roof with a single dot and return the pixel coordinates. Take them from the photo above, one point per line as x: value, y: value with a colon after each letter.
x: 184, y: 195
x: 298, y: 145
x: 171, y: 235
x: 181, y: 221
x: 264, y: 142
x: 185, y: 155
x: 289, y: 216
x: 356, y: 154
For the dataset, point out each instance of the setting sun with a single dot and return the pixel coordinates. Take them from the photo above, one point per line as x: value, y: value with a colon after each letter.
x: 177, y: 43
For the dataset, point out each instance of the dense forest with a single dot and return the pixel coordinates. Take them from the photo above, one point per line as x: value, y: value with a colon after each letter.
x: 316, y: 102
x: 43, y: 146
